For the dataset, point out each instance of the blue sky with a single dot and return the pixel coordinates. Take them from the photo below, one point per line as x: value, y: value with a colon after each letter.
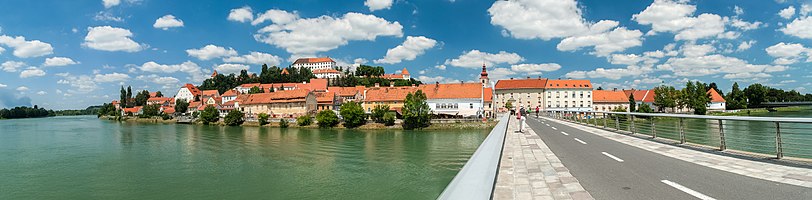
x: 72, y: 54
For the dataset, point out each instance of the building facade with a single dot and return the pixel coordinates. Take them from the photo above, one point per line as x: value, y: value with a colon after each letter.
x: 280, y: 104
x: 326, y: 73
x: 527, y: 93
x: 568, y: 95
x: 717, y: 102
x: 188, y: 93
x: 609, y: 100
x: 391, y: 96
x: 458, y: 99
x: 315, y: 63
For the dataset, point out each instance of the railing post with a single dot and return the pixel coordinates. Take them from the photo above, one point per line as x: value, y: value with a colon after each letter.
x: 617, y: 123
x: 604, y: 120
x: 722, y: 145
x: 779, y: 151
x: 681, y: 132
x: 653, y: 128
x: 631, y: 128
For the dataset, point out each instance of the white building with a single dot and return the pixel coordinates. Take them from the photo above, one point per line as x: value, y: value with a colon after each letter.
x: 188, y: 93
x: 326, y: 73
x: 458, y: 99
x: 569, y: 95
x: 717, y: 102
x: 315, y: 63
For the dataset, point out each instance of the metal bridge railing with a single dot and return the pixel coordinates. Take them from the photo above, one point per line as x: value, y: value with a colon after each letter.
x: 477, y: 177
x: 777, y: 136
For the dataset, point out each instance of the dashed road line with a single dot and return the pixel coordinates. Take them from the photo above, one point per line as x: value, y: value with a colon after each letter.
x: 579, y: 140
x: 565, y: 133
x: 687, y: 190
x: 612, y: 157
x: 554, y: 128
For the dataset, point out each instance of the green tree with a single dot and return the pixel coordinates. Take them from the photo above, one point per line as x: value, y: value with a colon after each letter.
x: 181, y: 106
x: 509, y: 105
x: 283, y: 123
x: 254, y: 90
x: 756, y: 94
x: 697, y: 97
x: 389, y: 119
x: 645, y: 108
x: 378, y: 112
x: 263, y: 119
x: 159, y: 94
x: 736, y: 98
x: 209, y: 115
x: 353, y: 114
x: 123, y: 101
x: 632, y: 103
x: 327, y: 119
x: 141, y: 98
x: 129, y: 96
x: 416, y: 112
x: 234, y: 118
x: 665, y: 97
x: 304, y: 120
x: 150, y: 111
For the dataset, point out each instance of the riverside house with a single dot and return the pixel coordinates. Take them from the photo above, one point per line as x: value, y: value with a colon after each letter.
x: 188, y: 92
x: 287, y: 103
x: 391, y: 96
x: 458, y: 99
x: 605, y: 100
x: 717, y: 102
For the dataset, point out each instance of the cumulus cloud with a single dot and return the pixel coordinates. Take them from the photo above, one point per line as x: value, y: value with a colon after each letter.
x: 12, y: 66
x: 32, y: 72
x: 188, y: 67
x: 550, y: 19
x: 787, y: 13
x: 308, y: 36
x: 696, y: 50
x: 409, y: 50
x: 22, y: 88
x: 535, y: 69
x: 229, y: 68
x: 106, y: 38
x: 9, y: 99
x: 210, y: 51
x: 112, y: 77
x: 167, y: 21
x: 276, y: 16
x: 611, y: 73
x: 677, y: 17
x: 435, y: 79
x: 788, y: 53
x: 110, y: 3
x: 714, y: 64
x: 81, y: 84
x: 476, y: 58
x: 244, y: 14
x: 745, y: 45
x: 58, y: 61
x: 800, y: 27
x: 160, y: 80
x: 378, y: 4
x: 26, y: 48
x: 255, y: 58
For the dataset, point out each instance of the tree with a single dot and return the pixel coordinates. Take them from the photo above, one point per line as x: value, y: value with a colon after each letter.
x: 254, y: 90
x: 129, y: 96
x: 283, y: 123
x: 713, y: 86
x: 389, y: 119
x: 209, y: 115
x: 181, y: 106
x: 141, y: 98
x: 509, y: 105
x: 378, y: 112
x: 353, y: 114
x: 304, y: 120
x: 632, y: 103
x: 159, y: 94
x: 416, y: 112
x: 263, y: 119
x: 600, y: 88
x: 234, y: 118
x: 756, y: 94
x: 736, y: 98
x: 327, y: 119
x: 697, y: 97
x: 123, y: 101
x: 150, y: 111
x: 665, y: 97
x: 645, y: 108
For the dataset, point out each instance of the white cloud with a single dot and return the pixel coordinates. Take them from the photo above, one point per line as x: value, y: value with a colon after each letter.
x: 42, y: 92
x: 308, y: 36
x: 800, y: 27
x: 82, y: 83
x: 746, y: 75
x: 166, y: 80
x: 550, y: 19
x: 788, y: 53
x: 210, y: 51
x: 476, y: 58
x: 694, y: 50
x: 32, y: 72
x: 745, y: 45
x: 276, y: 16
x: 743, y: 25
x: 243, y: 14
x: 611, y: 73
x: 26, y: 48
x: 535, y: 69
x: 714, y: 64
x: 501, y: 73
x: 409, y: 50
x: 440, y: 67
x: 378, y: 4
x: 648, y: 58
x: 805, y: 9
x: 113, y: 77
x: 787, y: 13
x: 106, y: 38
x: 189, y: 67
x: 3, y: 85
x: 58, y: 61
x: 167, y: 21
x: 229, y: 68
x: 12, y: 66
x: 22, y: 88
x: 107, y: 16
x: 677, y: 17
x: 110, y: 3
x: 433, y: 79
x: 738, y: 10
x: 255, y: 58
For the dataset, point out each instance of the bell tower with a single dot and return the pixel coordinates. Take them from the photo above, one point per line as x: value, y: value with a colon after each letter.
x: 483, y: 77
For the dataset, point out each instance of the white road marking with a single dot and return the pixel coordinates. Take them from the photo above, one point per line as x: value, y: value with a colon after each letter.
x: 579, y: 140
x: 612, y: 156
x: 547, y: 124
x: 687, y: 190
x: 565, y: 133
x: 554, y: 128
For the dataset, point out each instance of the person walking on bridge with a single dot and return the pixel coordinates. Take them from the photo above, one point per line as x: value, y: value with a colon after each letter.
x: 537, y: 111
x: 520, y: 117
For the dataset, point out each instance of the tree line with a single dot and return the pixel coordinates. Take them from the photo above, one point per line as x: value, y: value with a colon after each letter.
x: 25, y: 112
x: 223, y: 83
x: 755, y: 94
x: 126, y: 99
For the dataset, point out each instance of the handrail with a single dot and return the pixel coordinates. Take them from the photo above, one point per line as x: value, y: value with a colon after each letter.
x: 736, y: 118
x: 477, y: 177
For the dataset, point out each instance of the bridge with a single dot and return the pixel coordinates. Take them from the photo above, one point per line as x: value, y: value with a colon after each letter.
x: 785, y: 104
x: 612, y: 155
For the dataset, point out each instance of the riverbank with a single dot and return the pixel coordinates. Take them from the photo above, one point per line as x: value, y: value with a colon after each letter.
x: 759, y: 111
x: 468, y: 125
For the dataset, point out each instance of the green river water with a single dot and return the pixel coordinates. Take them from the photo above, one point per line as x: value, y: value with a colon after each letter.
x: 87, y: 158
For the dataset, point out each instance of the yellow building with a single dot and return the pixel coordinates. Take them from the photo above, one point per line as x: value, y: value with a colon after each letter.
x: 392, y: 96
x: 280, y: 104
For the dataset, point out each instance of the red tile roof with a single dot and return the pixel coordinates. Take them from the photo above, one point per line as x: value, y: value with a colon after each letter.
x: 192, y: 89
x: 521, y: 84
x: 276, y: 97
x: 715, y: 96
x: 168, y: 109
x: 347, y: 91
x: 211, y: 93
x: 325, y: 71
x: 325, y: 97
x: 230, y: 93
x: 285, y: 71
x: 404, y: 71
x: 646, y: 96
x: 133, y: 109
x: 313, y: 60
x: 452, y: 90
x: 606, y: 96
x: 162, y: 99
x: 568, y: 84
x: 388, y: 93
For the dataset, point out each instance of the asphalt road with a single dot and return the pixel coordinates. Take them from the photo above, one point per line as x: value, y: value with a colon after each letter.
x: 612, y: 170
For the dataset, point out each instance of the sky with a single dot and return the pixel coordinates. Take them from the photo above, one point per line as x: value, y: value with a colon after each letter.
x: 73, y: 54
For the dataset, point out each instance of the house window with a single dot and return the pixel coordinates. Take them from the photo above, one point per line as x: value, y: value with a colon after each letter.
x: 471, y: 106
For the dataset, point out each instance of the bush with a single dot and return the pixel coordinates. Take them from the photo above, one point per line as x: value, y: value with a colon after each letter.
x: 263, y: 119
x: 283, y: 123
x: 304, y: 120
x: 234, y: 118
x: 150, y: 111
x: 378, y: 112
x: 389, y: 119
x: 416, y: 112
x: 165, y: 116
x: 181, y: 106
x: 327, y: 119
x: 353, y: 114
x: 209, y: 115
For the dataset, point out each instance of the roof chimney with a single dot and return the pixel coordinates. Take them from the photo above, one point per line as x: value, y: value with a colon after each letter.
x: 392, y: 84
x: 413, y: 85
x: 437, y: 83
x: 539, y: 77
x: 511, y: 78
x: 614, y: 89
x: 377, y: 85
x: 528, y: 77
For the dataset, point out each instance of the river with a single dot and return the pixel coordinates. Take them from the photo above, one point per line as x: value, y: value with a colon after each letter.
x: 82, y: 157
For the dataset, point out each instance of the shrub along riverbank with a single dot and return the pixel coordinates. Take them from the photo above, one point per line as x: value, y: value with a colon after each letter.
x: 757, y: 111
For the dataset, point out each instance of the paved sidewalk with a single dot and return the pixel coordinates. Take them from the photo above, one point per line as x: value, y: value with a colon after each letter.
x: 529, y: 170
x: 761, y: 170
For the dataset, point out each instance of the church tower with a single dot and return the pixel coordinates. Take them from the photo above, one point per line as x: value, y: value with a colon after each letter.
x: 483, y: 77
